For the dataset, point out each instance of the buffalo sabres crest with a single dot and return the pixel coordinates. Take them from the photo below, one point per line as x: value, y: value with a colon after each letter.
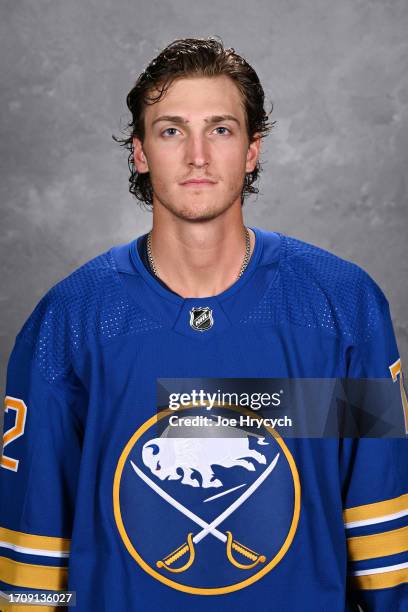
x: 210, y: 514
x: 201, y: 318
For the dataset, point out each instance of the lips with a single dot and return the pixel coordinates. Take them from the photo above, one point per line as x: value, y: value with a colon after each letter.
x: 197, y: 181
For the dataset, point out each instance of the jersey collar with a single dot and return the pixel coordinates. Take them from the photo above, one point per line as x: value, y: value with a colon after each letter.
x: 225, y: 308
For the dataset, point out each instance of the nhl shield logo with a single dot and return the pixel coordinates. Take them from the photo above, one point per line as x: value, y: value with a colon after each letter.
x: 201, y: 318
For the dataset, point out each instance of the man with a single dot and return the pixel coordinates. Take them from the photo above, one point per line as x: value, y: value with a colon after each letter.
x: 95, y: 498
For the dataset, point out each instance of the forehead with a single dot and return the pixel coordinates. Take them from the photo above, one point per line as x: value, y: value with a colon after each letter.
x: 195, y: 96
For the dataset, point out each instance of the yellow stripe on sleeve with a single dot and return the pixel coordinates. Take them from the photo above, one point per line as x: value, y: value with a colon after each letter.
x: 379, y: 579
x: 29, y: 541
x: 378, y: 544
x: 32, y: 576
x: 377, y: 510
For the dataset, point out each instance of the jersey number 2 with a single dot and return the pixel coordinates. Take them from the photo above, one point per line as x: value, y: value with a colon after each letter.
x: 17, y: 430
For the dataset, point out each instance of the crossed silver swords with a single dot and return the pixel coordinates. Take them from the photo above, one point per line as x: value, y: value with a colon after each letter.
x: 207, y: 528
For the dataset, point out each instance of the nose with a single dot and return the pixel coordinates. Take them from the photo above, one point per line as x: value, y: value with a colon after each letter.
x: 197, y: 151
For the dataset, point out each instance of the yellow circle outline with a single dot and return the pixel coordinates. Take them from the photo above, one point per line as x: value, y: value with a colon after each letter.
x: 183, y: 587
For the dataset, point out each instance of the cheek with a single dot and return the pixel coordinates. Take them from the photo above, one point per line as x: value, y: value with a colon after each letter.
x: 160, y: 157
x: 233, y: 166
x: 162, y: 168
x: 232, y: 158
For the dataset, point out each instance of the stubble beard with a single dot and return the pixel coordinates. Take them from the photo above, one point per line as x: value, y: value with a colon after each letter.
x: 192, y: 213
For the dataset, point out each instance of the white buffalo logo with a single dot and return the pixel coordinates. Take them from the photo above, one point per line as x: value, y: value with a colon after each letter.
x: 165, y: 456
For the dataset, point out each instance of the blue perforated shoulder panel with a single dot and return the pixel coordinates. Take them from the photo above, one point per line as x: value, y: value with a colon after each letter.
x: 89, y: 304
x: 315, y: 288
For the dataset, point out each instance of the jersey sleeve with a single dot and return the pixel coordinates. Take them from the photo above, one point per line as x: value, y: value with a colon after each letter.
x: 39, y: 468
x: 374, y: 476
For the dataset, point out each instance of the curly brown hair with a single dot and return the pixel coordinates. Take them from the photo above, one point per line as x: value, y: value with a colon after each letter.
x: 189, y: 57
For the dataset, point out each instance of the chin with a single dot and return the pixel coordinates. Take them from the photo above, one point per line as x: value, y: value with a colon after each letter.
x: 198, y: 210
x: 194, y: 209
x: 192, y: 214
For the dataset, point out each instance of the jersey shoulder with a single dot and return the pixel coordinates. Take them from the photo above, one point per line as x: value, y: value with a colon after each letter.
x: 87, y: 306
x: 317, y: 289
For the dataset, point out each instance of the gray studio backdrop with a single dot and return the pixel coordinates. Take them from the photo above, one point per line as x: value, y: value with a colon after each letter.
x: 335, y: 166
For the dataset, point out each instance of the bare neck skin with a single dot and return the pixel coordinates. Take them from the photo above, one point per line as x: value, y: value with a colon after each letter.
x: 199, y: 259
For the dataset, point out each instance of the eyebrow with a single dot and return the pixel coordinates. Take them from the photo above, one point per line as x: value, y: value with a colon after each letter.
x: 183, y: 121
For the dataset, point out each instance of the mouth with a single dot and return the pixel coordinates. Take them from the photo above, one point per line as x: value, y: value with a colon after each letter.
x: 204, y: 182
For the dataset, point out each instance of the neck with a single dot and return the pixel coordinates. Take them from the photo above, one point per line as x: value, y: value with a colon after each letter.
x: 199, y: 259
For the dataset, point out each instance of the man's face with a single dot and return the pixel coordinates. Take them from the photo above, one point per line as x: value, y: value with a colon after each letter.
x: 197, y: 131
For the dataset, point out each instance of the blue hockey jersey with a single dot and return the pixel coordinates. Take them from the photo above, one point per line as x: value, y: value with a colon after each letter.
x: 91, y: 498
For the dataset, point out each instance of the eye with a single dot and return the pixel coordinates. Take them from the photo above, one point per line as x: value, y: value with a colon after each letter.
x: 221, y: 127
x: 165, y: 132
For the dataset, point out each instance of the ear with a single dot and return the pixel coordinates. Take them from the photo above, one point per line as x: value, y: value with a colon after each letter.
x: 253, y: 153
x: 139, y: 156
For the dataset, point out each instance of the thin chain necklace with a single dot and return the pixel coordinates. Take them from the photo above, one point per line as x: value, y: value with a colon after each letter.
x: 244, y: 263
